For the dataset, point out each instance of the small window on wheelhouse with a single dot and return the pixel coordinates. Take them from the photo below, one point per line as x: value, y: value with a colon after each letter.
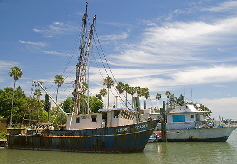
x: 78, y: 120
x: 93, y: 118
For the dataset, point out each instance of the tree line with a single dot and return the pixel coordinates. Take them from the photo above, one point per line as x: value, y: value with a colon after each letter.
x: 20, y: 109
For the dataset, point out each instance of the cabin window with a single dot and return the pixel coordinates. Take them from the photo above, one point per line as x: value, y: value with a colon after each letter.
x: 192, y: 116
x: 78, y: 120
x: 93, y: 118
x: 116, y: 113
x: 178, y: 118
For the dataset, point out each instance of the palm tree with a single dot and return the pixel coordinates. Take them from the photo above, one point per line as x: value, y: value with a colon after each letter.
x: 103, y: 92
x: 158, y: 97
x: 126, y: 88
x: 132, y: 91
x: 171, y: 99
x: 139, y: 91
x: 59, y: 80
x: 16, y: 73
x: 168, y: 94
x: 108, y: 81
x: 38, y: 94
x: 146, y: 94
x: 120, y: 87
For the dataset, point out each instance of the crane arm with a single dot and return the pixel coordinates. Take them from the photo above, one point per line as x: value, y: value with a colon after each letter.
x: 41, y: 86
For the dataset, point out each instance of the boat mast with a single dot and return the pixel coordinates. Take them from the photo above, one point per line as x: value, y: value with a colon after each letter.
x: 80, y: 83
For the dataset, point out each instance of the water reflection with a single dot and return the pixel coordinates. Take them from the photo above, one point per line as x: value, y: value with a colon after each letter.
x: 191, y: 152
x: 165, y: 153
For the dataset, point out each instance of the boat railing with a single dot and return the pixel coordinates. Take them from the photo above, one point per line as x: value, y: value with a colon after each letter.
x: 180, y: 125
x: 191, y: 125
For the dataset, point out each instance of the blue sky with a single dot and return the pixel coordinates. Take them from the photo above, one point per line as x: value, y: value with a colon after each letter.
x: 179, y: 46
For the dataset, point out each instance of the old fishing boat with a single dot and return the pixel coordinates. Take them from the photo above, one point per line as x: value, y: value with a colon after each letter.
x: 189, y: 123
x: 110, y: 130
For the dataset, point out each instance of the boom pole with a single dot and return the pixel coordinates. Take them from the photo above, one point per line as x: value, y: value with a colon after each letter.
x: 41, y: 86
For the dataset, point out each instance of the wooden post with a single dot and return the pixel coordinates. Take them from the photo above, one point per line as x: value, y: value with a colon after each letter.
x: 163, y: 123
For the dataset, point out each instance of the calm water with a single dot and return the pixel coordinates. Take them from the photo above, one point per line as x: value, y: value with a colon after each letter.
x: 163, y: 153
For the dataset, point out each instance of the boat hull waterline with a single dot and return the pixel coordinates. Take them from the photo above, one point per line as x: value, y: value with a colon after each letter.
x: 200, y: 135
x: 129, y: 138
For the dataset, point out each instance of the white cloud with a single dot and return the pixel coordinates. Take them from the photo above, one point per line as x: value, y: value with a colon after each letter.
x: 41, y: 44
x: 55, y: 53
x: 198, y: 75
x: 223, y: 7
x: 189, y: 36
x: 6, y: 65
x: 179, y: 43
x: 220, y: 86
x: 55, y: 28
x: 224, y: 107
x: 169, y: 79
x: 115, y: 37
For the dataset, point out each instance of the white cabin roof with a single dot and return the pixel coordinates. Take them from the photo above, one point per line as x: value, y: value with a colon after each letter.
x: 189, y: 108
x: 111, y: 109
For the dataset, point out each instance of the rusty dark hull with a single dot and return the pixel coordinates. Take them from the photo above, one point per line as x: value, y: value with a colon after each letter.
x: 130, y: 138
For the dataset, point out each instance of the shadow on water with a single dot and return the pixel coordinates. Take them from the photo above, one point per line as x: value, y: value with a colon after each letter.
x: 165, y: 153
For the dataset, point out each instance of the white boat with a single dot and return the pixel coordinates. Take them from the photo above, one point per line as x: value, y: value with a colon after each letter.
x: 190, y: 123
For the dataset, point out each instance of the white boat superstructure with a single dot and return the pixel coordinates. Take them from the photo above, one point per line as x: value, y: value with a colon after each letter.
x: 190, y: 123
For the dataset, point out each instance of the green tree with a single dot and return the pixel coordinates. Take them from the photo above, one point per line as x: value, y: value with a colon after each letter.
x: 68, y: 105
x: 59, y: 80
x: 16, y: 73
x: 139, y: 91
x: 126, y: 89
x: 180, y: 100
x: 95, y: 104
x: 132, y: 91
x: 103, y: 92
x: 120, y: 87
x: 31, y: 106
x: 168, y: 94
x: 19, y: 107
x: 47, y: 105
x: 84, y: 87
x: 37, y: 93
x: 99, y: 96
x: 158, y: 96
x: 146, y: 94
x: 108, y: 82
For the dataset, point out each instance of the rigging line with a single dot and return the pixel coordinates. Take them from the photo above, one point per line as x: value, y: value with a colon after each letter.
x: 104, y: 67
x: 105, y: 57
x: 72, y: 51
x: 69, y: 91
x: 97, y: 62
x: 100, y: 54
x: 106, y: 61
x: 109, y: 69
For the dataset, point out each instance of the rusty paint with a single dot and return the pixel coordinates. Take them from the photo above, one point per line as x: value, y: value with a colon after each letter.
x: 130, y: 138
